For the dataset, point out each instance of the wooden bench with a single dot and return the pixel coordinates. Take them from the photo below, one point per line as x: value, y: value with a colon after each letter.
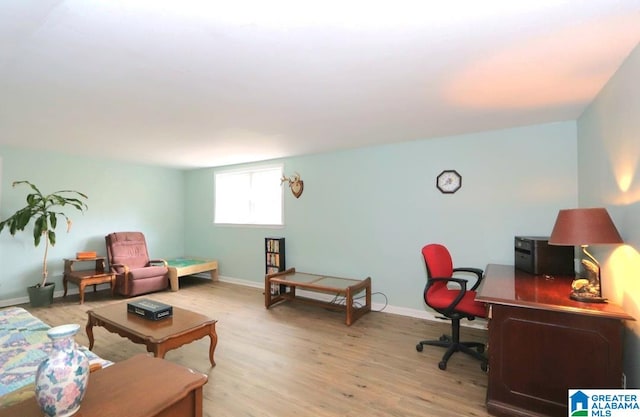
x: 281, y: 286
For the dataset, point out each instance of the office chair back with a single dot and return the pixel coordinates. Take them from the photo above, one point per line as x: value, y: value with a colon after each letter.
x: 455, y: 302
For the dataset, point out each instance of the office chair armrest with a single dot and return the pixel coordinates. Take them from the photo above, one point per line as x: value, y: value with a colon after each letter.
x: 158, y: 261
x: 463, y: 290
x: 476, y: 271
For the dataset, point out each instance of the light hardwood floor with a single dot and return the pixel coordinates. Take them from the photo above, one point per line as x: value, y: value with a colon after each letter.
x: 299, y: 360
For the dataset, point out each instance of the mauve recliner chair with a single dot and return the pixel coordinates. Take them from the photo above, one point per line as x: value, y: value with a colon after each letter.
x: 129, y: 259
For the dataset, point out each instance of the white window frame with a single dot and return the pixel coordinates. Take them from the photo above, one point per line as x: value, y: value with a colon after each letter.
x: 248, y: 196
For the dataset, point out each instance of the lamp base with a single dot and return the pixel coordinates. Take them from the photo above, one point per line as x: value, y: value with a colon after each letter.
x: 586, y: 297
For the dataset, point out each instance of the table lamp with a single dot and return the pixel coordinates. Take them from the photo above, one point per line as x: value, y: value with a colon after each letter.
x: 583, y: 227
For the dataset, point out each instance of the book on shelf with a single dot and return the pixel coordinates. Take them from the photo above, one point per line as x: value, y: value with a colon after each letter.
x: 273, y: 245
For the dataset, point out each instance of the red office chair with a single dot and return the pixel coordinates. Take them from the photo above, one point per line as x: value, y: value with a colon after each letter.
x: 454, y: 304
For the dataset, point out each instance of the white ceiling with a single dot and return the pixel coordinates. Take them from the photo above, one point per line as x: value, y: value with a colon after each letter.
x: 195, y: 83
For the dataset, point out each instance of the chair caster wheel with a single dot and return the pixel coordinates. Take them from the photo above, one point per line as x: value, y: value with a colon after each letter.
x: 419, y: 347
x: 480, y: 349
x: 444, y: 338
x: 442, y: 365
x: 484, y: 366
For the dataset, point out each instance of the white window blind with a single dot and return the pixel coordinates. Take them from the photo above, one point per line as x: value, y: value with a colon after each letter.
x: 249, y: 196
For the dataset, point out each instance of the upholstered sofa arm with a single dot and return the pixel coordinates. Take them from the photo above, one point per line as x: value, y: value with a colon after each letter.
x: 125, y: 268
x: 121, y: 269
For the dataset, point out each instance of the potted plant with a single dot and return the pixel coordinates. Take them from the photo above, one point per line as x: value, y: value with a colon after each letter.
x: 44, y: 210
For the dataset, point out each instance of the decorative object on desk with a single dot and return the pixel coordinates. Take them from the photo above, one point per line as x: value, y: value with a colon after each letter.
x: 44, y: 210
x: 86, y: 255
x: 449, y: 181
x: 150, y: 309
x: 62, y: 378
x: 295, y: 183
x: 583, y: 227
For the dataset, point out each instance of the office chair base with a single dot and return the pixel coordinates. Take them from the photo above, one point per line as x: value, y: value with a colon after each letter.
x: 453, y: 345
x: 473, y: 349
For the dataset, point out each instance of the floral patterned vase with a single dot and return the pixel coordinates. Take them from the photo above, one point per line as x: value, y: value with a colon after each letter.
x: 61, y: 379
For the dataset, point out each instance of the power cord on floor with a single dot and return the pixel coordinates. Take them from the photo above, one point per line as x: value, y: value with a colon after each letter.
x: 342, y: 300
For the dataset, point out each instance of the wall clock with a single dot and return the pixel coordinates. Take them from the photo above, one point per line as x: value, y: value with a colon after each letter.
x: 449, y: 181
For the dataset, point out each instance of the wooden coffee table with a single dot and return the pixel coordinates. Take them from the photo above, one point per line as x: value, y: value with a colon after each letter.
x: 158, y: 336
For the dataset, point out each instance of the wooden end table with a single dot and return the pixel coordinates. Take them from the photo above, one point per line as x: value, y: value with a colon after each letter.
x: 140, y: 386
x: 82, y: 278
x: 158, y: 336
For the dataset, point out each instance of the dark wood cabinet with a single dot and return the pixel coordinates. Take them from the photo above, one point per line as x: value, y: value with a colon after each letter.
x: 541, y: 343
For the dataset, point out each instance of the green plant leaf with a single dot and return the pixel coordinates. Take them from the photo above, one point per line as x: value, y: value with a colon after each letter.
x: 42, y: 210
x: 23, y: 218
x: 39, y: 226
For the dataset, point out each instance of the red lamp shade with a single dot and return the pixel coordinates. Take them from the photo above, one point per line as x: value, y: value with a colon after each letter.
x: 584, y: 226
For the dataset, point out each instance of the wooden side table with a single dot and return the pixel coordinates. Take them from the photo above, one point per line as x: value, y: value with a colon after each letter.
x: 140, y: 386
x: 82, y: 278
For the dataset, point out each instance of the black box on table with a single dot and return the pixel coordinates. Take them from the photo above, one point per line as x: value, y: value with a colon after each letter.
x: 150, y: 309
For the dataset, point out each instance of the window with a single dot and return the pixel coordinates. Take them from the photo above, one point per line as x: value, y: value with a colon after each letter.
x: 249, y: 196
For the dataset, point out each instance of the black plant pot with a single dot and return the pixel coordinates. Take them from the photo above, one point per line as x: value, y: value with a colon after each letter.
x: 41, y: 296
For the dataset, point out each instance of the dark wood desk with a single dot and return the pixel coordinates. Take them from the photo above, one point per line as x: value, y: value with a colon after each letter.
x: 141, y: 386
x: 541, y: 343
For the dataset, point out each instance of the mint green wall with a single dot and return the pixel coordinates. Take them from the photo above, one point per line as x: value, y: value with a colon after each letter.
x: 369, y: 211
x: 121, y: 197
x: 609, y: 176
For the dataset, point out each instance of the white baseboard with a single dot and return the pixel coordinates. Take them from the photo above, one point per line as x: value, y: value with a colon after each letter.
x: 72, y: 289
x: 391, y: 309
x: 478, y: 323
x: 14, y: 301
